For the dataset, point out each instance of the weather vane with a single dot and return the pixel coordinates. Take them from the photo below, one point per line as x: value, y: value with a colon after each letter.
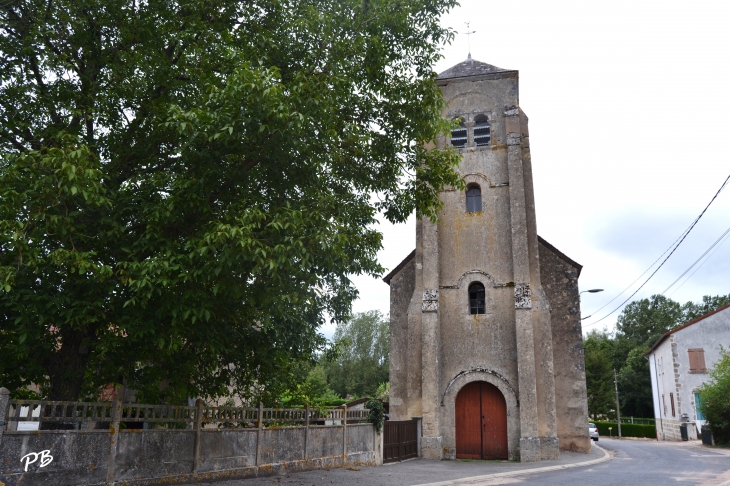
x: 468, y: 38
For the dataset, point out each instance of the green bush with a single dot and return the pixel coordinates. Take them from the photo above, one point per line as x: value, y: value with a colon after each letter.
x: 715, y: 399
x: 627, y: 430
x: 333, y: 402
x: 376, y: 416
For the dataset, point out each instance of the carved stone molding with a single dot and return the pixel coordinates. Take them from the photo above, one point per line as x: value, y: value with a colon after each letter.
x: 522, y: 296
x: 430, y: 300
x: 514, y: 139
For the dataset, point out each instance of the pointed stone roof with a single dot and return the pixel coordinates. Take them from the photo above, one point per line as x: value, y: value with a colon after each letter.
x: 471, y: 67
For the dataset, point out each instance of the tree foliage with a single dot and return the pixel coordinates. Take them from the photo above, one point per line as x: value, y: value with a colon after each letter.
x: 311, y: 389
x: 599, y: 374
x: 715, y: 399
x: 362, y: 363
x: 186, y: 185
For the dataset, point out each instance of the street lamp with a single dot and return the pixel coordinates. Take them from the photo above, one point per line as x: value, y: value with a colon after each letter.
x: 592, y: 291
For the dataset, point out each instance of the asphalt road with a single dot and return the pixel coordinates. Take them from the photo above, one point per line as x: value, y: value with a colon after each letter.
x: 643, y: 462
x: 633, y: 463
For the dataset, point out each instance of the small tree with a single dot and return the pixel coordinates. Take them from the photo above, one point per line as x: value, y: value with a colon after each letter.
x: 383, y: 392
x: 599, y: 373
x: 363, y: 363
x: 715, y: 399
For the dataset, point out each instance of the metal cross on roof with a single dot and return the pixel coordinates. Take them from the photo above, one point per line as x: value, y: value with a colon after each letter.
x: 468, y: 38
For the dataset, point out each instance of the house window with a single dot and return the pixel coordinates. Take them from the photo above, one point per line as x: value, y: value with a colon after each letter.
x: 476, y: 298
x: 697, y: 360
x: 664, y: 404
x: 458, y: 135
x: 482, y: 131
x: 671, y: 401
x: 473, y: 199
x: 698, y: 402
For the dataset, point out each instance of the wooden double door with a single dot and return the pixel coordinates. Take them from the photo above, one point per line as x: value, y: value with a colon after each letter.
x: 481, y: 422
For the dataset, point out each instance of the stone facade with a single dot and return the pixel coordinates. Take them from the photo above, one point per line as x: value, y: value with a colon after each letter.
x: 675, y: 379
x: 437, y: 344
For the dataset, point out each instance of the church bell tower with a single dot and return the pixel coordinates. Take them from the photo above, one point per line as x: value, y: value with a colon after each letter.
x: 472, y: 342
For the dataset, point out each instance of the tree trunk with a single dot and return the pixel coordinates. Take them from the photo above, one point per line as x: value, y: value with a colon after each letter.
x: 66, y: 369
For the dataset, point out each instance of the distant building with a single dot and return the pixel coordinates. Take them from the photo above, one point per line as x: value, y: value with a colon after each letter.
x: 679, y: 361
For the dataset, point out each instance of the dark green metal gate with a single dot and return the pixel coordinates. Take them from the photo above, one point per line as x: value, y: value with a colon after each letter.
x: 400, y: 440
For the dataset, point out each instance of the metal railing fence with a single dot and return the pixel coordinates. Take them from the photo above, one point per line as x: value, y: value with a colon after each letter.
x: 80, y: 412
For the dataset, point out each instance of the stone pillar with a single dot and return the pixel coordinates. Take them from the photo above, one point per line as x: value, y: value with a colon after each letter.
x: 306, y: 430
x: 4, y: 408
x: 117, y: 405
x: 430, y: 344
x: 529, y: 437
x: 541, y: 322
x: 198, y: 433
x: 259, y: 432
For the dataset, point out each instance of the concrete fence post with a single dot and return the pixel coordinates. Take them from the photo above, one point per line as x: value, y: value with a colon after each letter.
x: 4, y: 409
x: 114, y: 433
x: 198, y: 433
x: 344, y: 433
x: 260, y: 426
x: 306, y: 430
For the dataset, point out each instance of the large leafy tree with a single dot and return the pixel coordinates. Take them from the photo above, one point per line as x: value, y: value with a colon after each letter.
x: 598, y: 348
x: 185, y: 185
x: 638, y: 326
x: 693, y: 310
x: 362, y: 363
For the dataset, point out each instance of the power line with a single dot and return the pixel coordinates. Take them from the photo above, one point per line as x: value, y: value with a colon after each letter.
x: 686, y: 233
x: 644, y: 273
x: 717, y: 244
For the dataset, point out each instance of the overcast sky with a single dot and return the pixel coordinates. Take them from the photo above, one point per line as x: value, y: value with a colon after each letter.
x: 628, y: 103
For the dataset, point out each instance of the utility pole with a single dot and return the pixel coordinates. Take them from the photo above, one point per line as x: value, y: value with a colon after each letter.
x: 618, y: 408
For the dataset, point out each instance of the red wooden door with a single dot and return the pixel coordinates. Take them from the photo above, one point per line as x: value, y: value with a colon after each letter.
x: 481, y: 422
x: 468, y: 422
x: 494, y: 423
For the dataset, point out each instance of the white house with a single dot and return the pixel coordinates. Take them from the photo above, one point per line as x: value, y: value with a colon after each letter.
x: 679, y: 361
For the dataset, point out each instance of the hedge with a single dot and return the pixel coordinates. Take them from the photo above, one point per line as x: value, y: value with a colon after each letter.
x: 627, y: 430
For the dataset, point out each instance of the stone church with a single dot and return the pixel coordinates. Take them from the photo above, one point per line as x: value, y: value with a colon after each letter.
x: 486, y: 343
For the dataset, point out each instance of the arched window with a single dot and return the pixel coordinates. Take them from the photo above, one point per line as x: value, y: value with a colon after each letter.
x: 476, y: 299
x: 458, y: 135
x: 482, y: 131
x: 473, y: 199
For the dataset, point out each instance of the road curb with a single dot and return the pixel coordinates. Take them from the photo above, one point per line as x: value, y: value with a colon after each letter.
x: 523, y: 472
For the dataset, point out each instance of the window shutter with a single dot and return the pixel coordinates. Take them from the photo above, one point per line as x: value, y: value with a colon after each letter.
x: 692, y: 359
x: 696, y: 359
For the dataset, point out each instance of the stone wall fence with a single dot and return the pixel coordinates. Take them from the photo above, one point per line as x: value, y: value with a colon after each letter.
x: 115, y: 443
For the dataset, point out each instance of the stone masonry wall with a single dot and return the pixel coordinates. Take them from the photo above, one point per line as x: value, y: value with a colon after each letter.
x: 560, y: 282
x: 401, y: 291
x: 166, y: 456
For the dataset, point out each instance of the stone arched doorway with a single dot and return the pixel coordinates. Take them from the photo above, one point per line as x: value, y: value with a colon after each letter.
x: 481, y: 422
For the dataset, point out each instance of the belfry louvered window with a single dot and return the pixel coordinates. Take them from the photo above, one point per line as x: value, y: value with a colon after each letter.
x: 458, y: 135
x: 476, y: 299
x: 482, y: 131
